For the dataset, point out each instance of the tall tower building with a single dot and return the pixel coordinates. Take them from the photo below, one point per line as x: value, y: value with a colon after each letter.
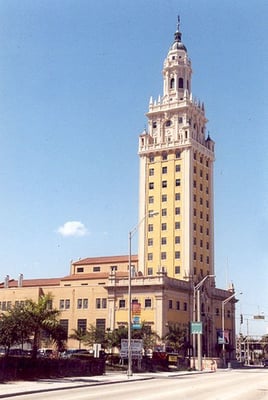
x: 176, y: 178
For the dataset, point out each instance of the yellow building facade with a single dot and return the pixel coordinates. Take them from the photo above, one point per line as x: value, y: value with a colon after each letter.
x: 176, y: 243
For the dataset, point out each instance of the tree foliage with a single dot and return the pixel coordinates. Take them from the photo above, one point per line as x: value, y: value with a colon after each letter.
x: 27, y: 323
x: 176, y: 338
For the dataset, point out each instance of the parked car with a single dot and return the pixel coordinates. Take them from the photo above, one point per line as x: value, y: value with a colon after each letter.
x: 72, y: 352
x: 44, y: 353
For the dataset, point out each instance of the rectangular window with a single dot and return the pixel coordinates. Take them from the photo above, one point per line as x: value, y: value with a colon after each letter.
x: 122, y: 303
x: 101, y: 324
x: 178, y: 182
x: 96, y: 269
x: 62, y: 304
x: 164, y: 226
x: 164, y: 212
x: 170, y: 304
x: 85, y: 303
x: 82, y: 325
x: 151, y: 171
x: 79, y: 303
x: 148, y: 303
x: 164, y: 197
x: 67, y: 304
x: 177, y: 255
x: 64, y: 323
x: 185, y: 306
x: 164, y: 156
x: 101, y: 303
x: 177, y: 239
x: 104, y: 303
x: 164, y: 240
x: 177, y: 210
x: 151, y: 158
x: 151, y: 185
x: 151, y: 199
x: 150, y: 228
x: 79, y: 269
x: 177, y: 305
x: 177, y: 270
x: 164, y: 184
x: 178, y: 167
x: 150, y: 256
x: 98, y: 303
x: 163, y: 255
x: 177, y: 196
x: 177, y: 225
x: 150, y: 271
x: 150, y: 241
x: 178, y: 154
x: 164, y: 170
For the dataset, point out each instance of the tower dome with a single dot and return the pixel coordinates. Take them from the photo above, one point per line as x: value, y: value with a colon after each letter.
x: 177, y: 44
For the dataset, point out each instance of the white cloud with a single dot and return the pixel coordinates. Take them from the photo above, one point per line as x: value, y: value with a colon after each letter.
x: 73, y: 228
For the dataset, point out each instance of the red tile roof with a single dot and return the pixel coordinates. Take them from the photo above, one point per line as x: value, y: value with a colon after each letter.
x: 12, y: 283
x: 93, y: 275
x: 105, y: 260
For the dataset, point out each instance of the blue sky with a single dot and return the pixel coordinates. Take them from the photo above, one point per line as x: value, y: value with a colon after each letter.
x: 75, y: 81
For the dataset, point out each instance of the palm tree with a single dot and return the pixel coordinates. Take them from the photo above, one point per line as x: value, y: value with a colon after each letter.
x: 41, y: 317
x: 79, y: 335
x: 176, y: 338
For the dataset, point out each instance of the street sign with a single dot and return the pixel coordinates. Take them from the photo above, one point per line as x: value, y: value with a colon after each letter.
x: 136, y: 348
x: 196, y: 328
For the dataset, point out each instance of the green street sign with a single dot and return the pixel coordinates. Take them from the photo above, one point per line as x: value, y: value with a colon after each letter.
x: 196, y: 328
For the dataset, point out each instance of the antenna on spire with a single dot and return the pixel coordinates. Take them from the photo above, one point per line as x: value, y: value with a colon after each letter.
x: 178, y: 24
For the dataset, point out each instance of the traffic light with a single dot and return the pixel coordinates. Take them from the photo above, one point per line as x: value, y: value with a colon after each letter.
x: 241, y: 319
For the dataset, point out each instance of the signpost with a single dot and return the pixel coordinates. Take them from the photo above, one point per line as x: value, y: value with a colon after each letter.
x: 136, y: 348
x: 196, y: 328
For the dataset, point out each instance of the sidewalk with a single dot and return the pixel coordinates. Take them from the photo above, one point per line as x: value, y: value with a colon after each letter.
x: 11, y: 389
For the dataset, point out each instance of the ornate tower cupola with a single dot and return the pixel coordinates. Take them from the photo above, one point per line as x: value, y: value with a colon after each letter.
x: 177, y: 70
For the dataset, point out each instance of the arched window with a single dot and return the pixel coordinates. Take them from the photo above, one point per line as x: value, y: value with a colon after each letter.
x: 172, y: 83
x: 180, y: 83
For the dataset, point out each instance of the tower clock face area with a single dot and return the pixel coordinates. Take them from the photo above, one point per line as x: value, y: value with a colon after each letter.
x: 176, y: 170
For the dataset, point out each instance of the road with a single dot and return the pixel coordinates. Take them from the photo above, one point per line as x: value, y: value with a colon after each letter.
x: 250, y: 384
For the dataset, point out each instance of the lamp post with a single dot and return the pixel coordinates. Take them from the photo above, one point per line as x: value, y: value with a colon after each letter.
x: 198, y: 318
x: 130, y: 236
x: 223, y: 323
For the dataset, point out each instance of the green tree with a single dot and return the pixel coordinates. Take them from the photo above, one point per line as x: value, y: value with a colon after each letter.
x: 94, y: 335
x: 149, y: 337
x: 79, y: 335
x: 176, y: 338
x: 41, y: 317
x: 14, y: 328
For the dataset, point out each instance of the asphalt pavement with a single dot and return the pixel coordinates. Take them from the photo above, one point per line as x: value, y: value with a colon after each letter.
x: 16, y: 388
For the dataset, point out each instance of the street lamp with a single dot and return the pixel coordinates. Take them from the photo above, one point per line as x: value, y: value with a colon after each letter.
x: 222, y: 324
x: 130, y: 236
x: 199, y: 344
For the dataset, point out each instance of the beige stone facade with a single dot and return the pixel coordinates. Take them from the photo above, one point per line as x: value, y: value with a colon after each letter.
x: 176, y: 246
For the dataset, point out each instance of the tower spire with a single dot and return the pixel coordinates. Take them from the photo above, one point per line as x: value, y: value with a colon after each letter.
x: 177, y: 37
